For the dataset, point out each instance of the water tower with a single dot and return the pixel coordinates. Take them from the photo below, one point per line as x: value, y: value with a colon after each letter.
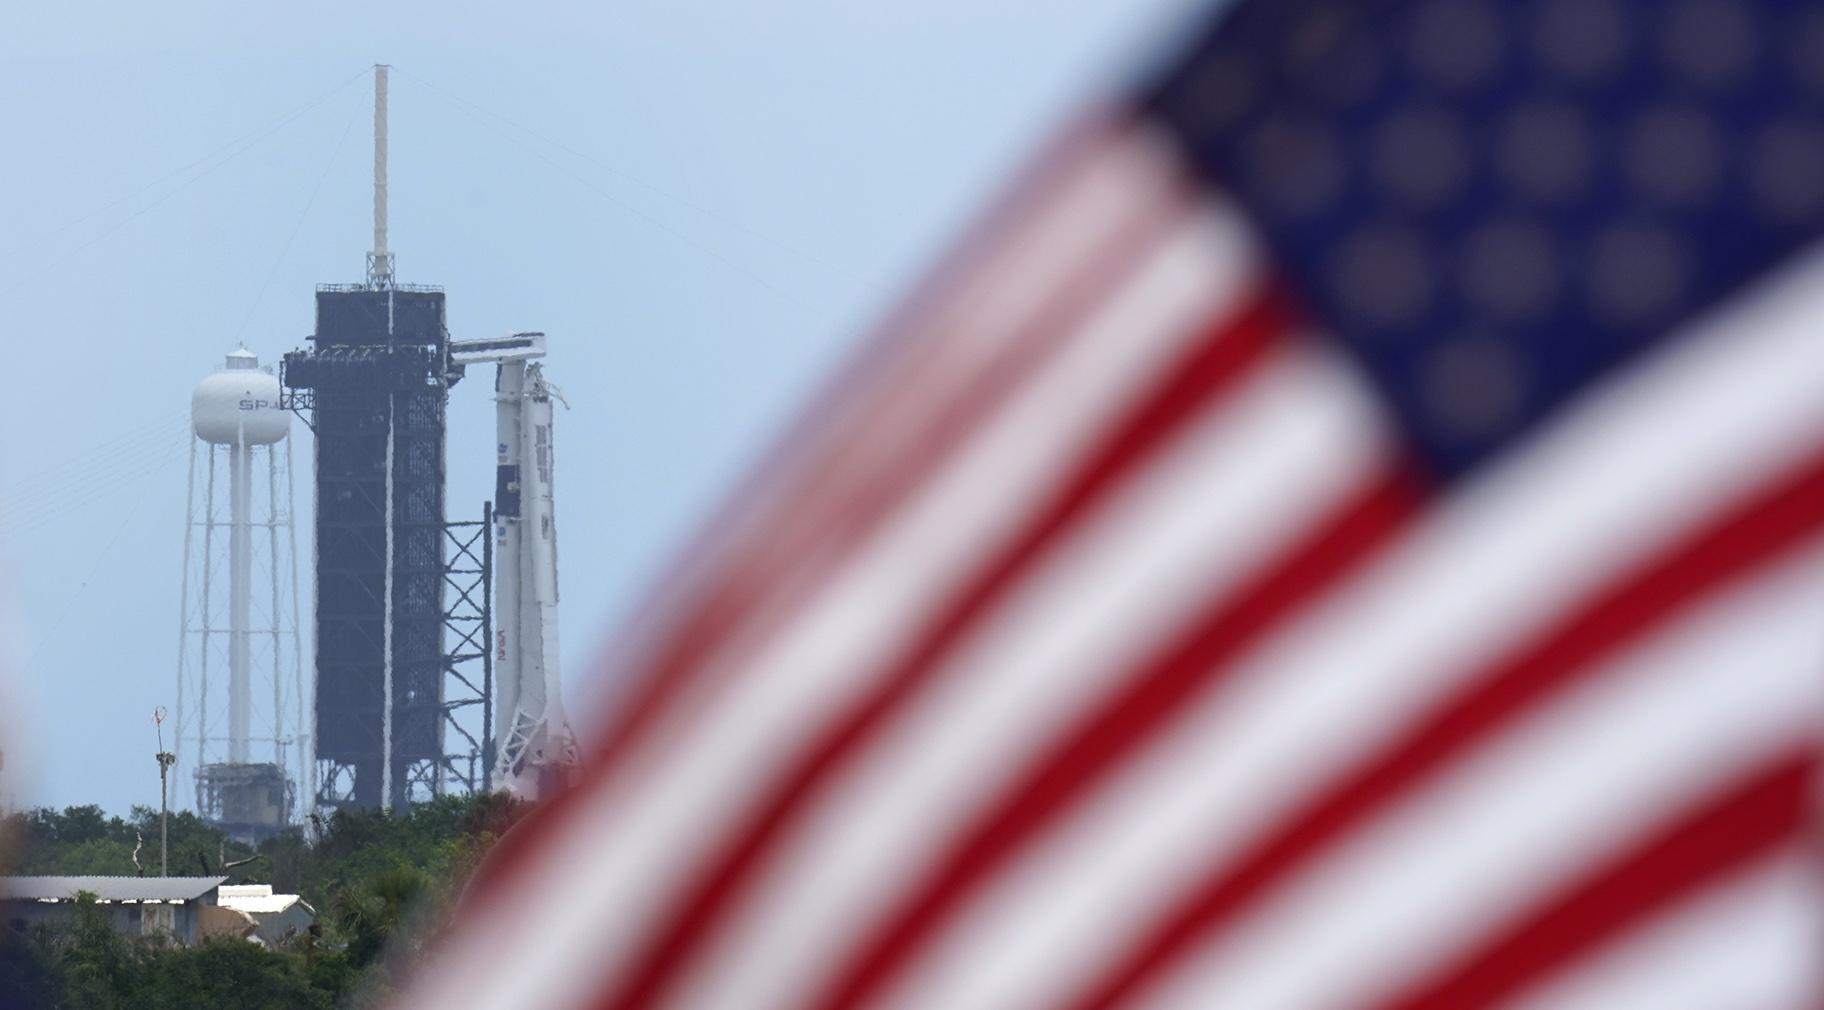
x: 241, y: 721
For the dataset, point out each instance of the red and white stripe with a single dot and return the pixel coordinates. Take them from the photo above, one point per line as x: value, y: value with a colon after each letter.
x: 1094, y: 645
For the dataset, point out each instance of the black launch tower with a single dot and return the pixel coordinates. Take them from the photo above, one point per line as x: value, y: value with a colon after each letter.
x: 374, y: 387
x: 377, y: 379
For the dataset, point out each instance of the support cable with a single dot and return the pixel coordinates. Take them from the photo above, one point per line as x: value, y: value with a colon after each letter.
x: 233, y: 148
x: 94, y: 569
x: 650, y: 187
x: 273, y: 270
x: 104, y: 459
x: 31, y: 276
x: 640, y: 213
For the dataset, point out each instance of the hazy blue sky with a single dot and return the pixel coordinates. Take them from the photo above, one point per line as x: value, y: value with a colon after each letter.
x: 724, y: 195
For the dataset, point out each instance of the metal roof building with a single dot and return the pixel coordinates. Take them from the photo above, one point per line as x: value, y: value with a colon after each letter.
x: 275, y: 916
x: 135, y: 905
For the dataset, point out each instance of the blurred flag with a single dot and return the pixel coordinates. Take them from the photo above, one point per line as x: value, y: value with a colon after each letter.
x: 1348, y: 532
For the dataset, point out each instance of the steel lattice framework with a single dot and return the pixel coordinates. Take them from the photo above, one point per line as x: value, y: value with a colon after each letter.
x: 469, y: 670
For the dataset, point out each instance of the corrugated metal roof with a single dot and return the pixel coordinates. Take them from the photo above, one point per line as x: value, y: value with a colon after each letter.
x: 258, y: 899
x: 108, y: 888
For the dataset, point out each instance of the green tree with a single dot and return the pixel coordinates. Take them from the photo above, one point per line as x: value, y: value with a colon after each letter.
x: 28, y: 977
x: 381, y: 883
x: 370, y: 913
x: 96, y: 965
x: 228, y: 972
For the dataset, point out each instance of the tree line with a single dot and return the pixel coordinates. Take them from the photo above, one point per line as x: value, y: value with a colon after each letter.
x: 381, y: 884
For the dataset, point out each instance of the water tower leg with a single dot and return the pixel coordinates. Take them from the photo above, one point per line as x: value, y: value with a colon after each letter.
x: 240, y: 578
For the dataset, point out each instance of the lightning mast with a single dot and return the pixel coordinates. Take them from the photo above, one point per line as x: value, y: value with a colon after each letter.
x: 380, y: 261
x: 375, y: 386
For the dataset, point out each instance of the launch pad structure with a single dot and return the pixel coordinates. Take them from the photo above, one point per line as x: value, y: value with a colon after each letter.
x: 414, y: 678
x: 406, y: 643
x: 374, y: 387
x: 378, y: 379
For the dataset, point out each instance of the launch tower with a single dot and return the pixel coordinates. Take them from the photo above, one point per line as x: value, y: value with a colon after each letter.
x: 375, y: 385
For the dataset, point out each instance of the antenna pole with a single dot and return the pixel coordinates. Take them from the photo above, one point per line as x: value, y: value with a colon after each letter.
x: 165, y: 760
x: 380, y: 261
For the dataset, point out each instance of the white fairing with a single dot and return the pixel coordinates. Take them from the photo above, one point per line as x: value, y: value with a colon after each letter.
x: 535, y: 742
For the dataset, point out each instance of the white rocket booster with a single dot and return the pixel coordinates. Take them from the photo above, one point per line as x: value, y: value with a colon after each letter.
x: 535, y: 748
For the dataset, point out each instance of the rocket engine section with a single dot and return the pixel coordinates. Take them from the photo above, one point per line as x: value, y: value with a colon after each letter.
x: 536, y: 750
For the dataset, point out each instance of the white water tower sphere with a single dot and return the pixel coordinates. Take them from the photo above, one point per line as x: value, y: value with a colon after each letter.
x: 239, y: 405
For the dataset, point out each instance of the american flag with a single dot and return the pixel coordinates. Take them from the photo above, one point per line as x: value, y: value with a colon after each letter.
x: 1347, y: 531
